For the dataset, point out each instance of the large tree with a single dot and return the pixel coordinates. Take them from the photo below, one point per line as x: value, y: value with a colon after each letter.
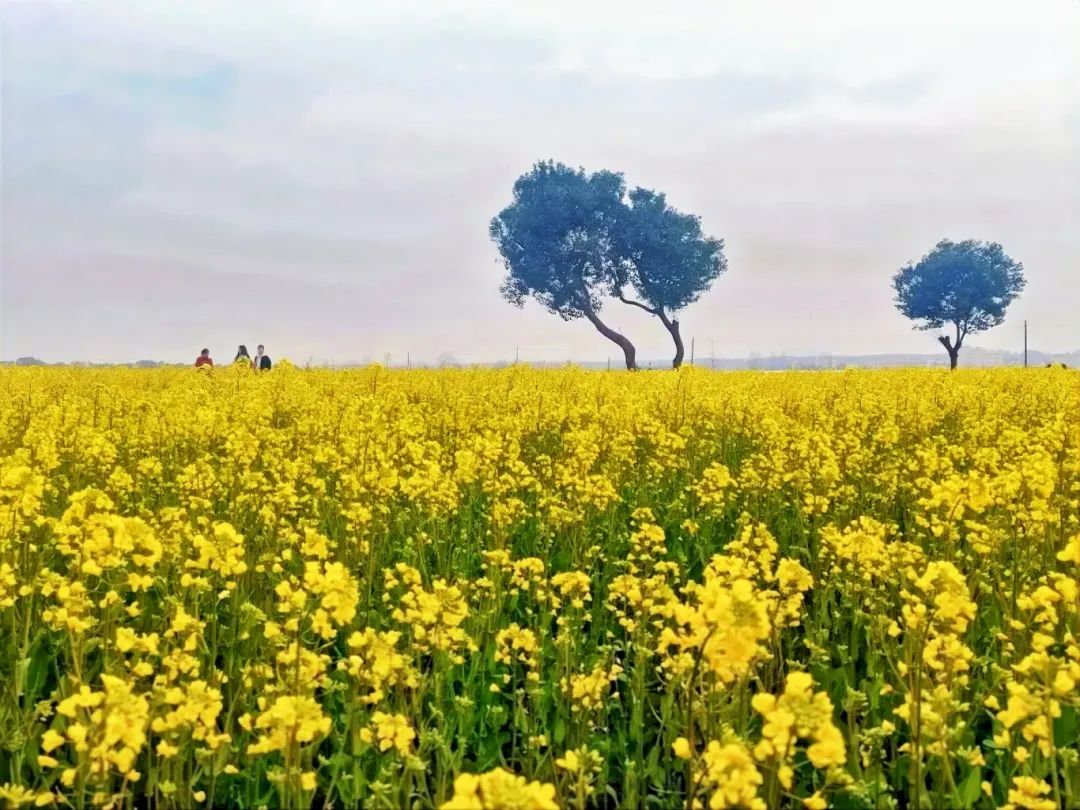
x: 557, y: 240
x: 665, y: 259
x: 967, y: 285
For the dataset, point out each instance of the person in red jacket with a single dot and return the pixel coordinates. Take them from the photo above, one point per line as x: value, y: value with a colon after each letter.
x: 203, y: 360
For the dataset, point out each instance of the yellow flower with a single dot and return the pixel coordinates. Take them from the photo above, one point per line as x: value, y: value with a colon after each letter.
x: 1071, y: 552
x: 568, y: 762
x: 681, y: 748
x: 799, y: 713
x: 589, y: 691
x: 728, y: 624
x: 1028, y: 793
x: 729, y: 771
x: 51, y: 740
x: 391, y: 731
x: 290, y: 721
x: 200, y: 566
x: 500, y: 790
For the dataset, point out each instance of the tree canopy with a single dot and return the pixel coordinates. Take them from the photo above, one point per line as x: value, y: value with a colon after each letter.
x: 969, y: 285
x: 557, y: 239
x: 570, y: 239
x: 666, y: 259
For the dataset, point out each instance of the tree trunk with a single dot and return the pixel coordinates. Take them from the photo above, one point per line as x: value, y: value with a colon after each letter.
x: 672, y: 325
x: 629, y: 352
x: 954, y: 351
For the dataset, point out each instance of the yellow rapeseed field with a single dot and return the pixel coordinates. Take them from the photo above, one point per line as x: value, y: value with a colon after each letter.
x: 539, y: 589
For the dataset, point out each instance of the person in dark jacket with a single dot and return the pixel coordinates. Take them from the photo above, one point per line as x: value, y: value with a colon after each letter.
x: 262, y: 360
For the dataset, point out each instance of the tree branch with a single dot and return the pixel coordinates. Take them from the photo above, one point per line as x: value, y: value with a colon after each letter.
x: 637, y: 304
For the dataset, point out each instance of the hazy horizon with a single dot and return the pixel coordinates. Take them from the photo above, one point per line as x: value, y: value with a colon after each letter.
x: 973, y: 357
x: 320, y: 178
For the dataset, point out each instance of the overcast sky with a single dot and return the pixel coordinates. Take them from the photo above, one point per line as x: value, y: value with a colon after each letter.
x: 320, y: 176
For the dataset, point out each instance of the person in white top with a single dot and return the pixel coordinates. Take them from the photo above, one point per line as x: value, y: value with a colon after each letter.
x: 262, y: 360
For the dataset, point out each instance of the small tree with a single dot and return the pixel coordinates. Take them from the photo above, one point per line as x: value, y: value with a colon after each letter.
x: 666, y: 259
x: 967, y: 284
x: 557, y: 242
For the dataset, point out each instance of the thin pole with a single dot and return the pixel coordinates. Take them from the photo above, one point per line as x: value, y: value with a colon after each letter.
x: 517, y: 355
x: 1025, y: 345
x: 691, y: 351
x: 712, y: 355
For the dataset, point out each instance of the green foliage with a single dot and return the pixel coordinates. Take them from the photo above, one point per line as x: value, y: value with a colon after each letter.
x: 556, y: 238
x: 967, y: 284
x: 571, y: 239
x: 667, y: 259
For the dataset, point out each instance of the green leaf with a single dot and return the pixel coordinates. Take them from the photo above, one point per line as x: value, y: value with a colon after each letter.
x: 35, y: 668
x: 1067, y: 727
x: 652, y: 767
x: 971, y: 787
x: 849, y: 800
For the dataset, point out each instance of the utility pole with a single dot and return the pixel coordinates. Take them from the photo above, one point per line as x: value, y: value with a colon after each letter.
x: 517, y: 355
x: 1025, y: 345
x: 691, y: 351
x: 712, y: 355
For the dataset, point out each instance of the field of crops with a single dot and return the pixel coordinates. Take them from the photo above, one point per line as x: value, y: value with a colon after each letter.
x: 539, y: 589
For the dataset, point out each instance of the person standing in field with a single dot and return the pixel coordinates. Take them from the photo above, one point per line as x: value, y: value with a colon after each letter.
x: 262, y: 360
x: 242, y: 355
x: 203, y: 360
